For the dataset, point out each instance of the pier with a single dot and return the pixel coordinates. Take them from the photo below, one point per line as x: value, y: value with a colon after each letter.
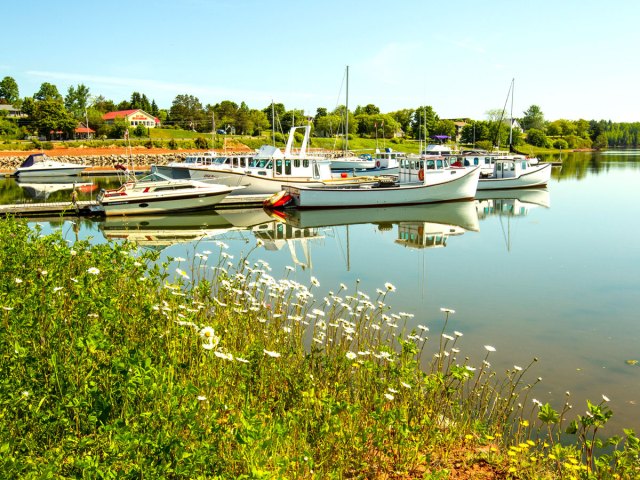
x: 92, y: 207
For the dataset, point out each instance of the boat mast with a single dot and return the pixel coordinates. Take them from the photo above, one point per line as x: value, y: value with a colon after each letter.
x: 346, y: 128
x: 511, y: 115
x: 273, y: 124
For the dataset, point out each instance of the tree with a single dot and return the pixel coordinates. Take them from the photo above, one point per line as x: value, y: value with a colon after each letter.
x: 320, y: 112
x: 277, y: 110
x: 77, y: 100
x: 537, y: 138
x: 445, y: 127
x: 533, y: 118
x: 226, y: 113
x: 582, y: 128
x: 424, y: 122
x: 103, y: 105
x: 9, y: 92
x: 187, y: 112
x: 328, y: 125
x: 50, y: 115
x: 47, y: 91
x: 369, y: 109
x: 404, y: 117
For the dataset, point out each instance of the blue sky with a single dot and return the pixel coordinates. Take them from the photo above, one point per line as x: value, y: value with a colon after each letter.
x: 574, y: 59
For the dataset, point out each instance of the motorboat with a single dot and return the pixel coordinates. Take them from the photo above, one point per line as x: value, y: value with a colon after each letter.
x: 515, y: 171
x: 41, y: 165
x: 384, y: 162
x: 419, y: 181
x: 156, y: 193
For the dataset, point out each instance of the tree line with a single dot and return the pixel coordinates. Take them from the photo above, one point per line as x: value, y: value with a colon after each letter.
x: 48, y: 113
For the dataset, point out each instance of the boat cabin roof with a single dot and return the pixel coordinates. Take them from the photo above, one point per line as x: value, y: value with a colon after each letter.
x: 33, y: 159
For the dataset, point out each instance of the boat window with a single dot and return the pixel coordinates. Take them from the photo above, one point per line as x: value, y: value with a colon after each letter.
x: 439, y: 164
x: 287, y: 167
x: 475, y: 161
x: 431, y: 165
x: 305, y: 163
x: 524, y: 165
x: 279, y: 167
x: 296, y: 163
x: 316, y: 170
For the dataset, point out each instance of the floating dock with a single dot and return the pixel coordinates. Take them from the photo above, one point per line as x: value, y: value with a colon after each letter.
x: 89, y: 208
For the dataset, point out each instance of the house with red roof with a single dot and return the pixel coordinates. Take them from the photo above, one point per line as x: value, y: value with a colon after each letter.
x: 84, y: 132
x: 133, y: 117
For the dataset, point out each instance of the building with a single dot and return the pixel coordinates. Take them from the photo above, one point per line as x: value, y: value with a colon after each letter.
x: 133, y: 118
x: 82, y: 132
x: 12, y: 112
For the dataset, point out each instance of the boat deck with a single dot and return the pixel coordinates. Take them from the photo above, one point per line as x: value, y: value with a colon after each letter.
x: 87, y: 208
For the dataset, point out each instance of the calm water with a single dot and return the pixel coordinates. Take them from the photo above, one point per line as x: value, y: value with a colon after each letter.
x: 551, y: 273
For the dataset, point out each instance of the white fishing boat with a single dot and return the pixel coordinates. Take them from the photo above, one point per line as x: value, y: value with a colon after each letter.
x: 41, y: 165
x: 180, y: 169
x: 156, y: 193
x: 515, y: 171
x: 419, y: 181
x: 271, y: 169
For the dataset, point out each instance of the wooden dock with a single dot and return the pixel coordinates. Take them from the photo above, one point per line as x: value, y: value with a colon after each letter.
x: 89, y: 208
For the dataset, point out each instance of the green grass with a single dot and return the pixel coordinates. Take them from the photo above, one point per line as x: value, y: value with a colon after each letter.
x: 114, y: 366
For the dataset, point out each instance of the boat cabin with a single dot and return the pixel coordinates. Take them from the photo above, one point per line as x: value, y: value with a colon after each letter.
x: 414, y: 169
x: 388, y: 158
x: 510, y: 167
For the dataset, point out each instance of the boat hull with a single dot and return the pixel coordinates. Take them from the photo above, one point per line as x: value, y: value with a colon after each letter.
x: 537, y: 176
x: 145, y: 205
x: 454, y: 184
x: 49, y: 172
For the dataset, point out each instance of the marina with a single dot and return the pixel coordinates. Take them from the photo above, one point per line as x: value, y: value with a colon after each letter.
x: 562, y: 297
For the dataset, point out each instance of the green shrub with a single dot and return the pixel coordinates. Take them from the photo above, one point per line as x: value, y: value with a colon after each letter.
x: 173, y: 144
x: 560, y: 144
x: 201, y: 142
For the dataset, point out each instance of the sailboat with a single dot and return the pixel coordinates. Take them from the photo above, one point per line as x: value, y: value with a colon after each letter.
x: 349, y: 162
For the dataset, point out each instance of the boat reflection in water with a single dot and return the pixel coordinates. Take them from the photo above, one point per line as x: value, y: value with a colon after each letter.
x: 508, y: 204
x: 462, y: 214
x: 161, y: 231
x: 165, y: 230
x: 511, y: 202
x: 40, y: 188
x: 419, y: 226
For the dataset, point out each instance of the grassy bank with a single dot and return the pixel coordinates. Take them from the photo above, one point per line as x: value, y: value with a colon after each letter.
x: 116, y: 367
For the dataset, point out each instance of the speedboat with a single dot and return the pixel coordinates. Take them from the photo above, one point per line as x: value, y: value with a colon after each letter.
x: 156, y: 193
x: 40, y: 165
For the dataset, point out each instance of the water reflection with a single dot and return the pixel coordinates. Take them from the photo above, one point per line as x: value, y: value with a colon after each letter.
x: 166, y: 230
x: 41, y: 188
x: 511, y: 202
